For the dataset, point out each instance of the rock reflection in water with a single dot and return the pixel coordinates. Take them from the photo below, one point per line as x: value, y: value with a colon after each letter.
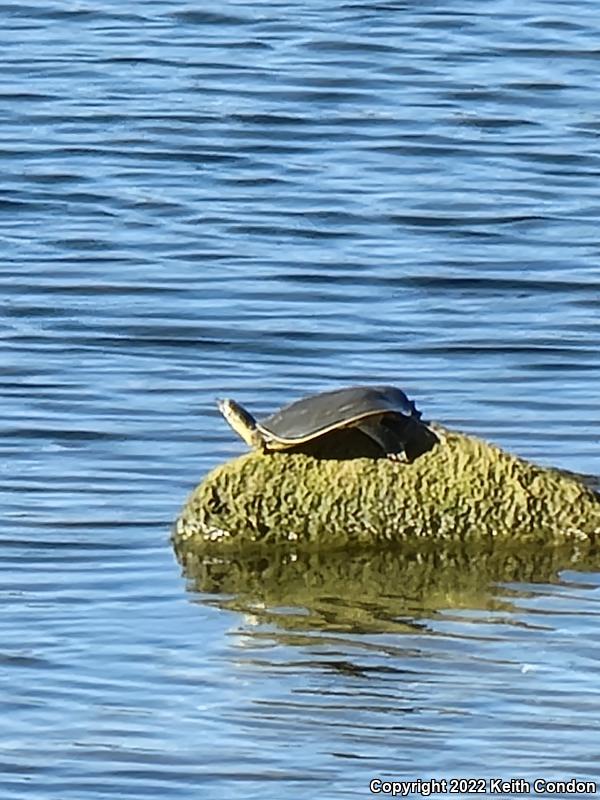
x: 390, y: 590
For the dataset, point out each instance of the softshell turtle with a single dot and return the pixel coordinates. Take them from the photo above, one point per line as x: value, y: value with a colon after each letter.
x: 383, y: 413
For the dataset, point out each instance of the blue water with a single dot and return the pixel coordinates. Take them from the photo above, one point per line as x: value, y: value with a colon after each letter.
x: 260, y: 200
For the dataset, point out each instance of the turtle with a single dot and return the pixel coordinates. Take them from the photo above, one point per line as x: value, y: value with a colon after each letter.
x: 383, y: 413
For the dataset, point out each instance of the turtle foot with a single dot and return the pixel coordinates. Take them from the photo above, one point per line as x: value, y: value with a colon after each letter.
x: 398, y: 458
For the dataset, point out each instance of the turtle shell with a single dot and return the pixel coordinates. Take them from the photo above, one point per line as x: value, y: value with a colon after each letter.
x: 320, y: 413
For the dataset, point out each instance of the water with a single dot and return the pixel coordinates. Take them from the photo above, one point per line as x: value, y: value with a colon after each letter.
x: 261, y: 200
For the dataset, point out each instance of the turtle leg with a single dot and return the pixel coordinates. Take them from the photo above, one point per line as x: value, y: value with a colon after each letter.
x: 390, y: 441
x: 418, y: 438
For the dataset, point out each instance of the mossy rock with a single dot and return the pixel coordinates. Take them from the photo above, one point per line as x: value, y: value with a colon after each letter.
x: 339, y: 494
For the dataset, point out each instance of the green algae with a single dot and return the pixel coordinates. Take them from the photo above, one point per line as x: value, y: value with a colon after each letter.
x: 463, y: 489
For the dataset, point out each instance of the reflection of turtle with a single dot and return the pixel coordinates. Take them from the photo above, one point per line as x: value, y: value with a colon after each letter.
x: 383, y: 413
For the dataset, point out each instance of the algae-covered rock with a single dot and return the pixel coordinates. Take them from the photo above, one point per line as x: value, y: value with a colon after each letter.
x: 464, y: 489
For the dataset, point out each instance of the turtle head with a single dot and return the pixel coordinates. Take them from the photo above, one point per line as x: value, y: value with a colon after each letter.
x: 242, y: 422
